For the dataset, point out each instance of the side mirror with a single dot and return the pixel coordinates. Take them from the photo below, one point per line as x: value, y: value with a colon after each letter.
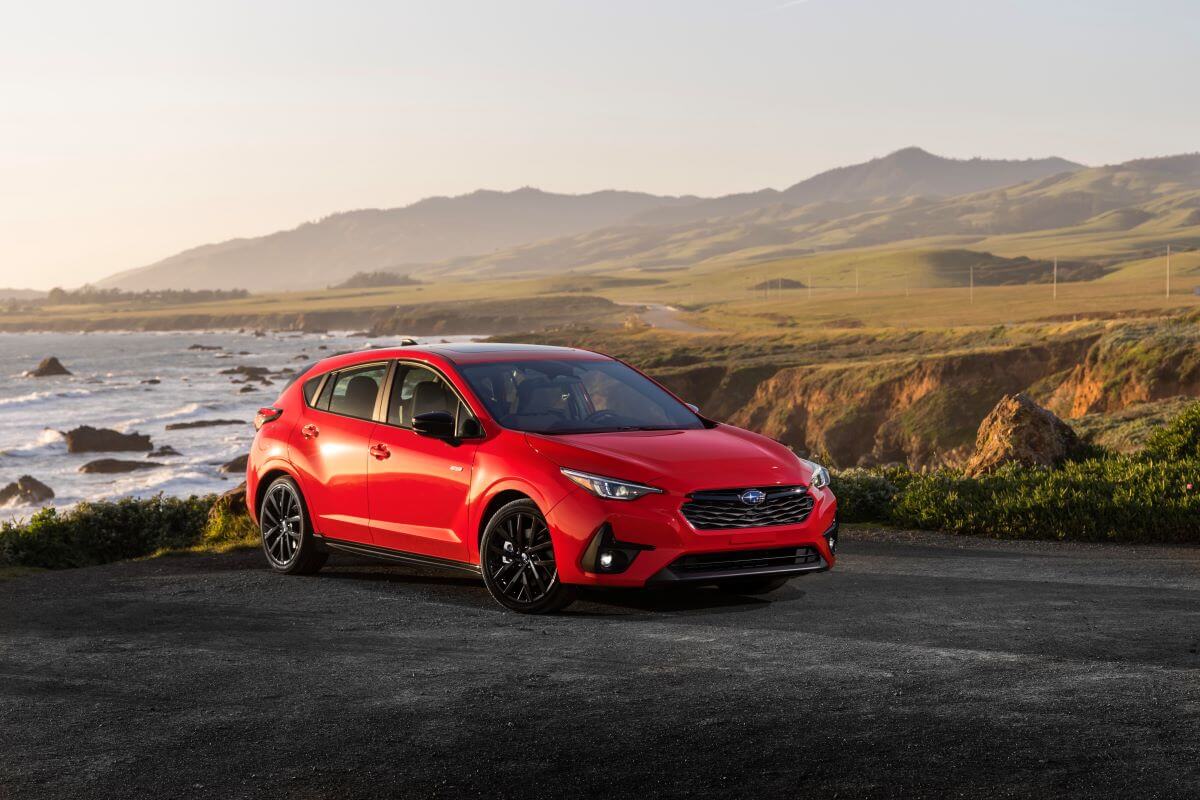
x: 695, y: 408
x: 434, y: 424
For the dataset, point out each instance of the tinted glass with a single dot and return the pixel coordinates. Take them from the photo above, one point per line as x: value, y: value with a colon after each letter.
x: 417, y: 390
x: 575, y: 397
x: 354, y: 391
x: 296, y: 376
x: 310, y: 388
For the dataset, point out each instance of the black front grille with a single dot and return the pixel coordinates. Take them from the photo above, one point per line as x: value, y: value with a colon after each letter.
x: 725, y: 508
x: 738, y: 560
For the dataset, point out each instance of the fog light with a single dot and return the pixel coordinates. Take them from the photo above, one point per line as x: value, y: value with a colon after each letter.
x: 606, y: 559
x: 832, y: 543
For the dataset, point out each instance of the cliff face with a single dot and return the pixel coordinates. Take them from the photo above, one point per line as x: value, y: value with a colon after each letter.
x: 1129, y: 365
x: 924, y: 411
x: 921, y: 411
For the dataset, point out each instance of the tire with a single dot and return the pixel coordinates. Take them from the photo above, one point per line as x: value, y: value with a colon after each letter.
x: 286, y: 528
x: 763, y: 585
x: 516, y: 555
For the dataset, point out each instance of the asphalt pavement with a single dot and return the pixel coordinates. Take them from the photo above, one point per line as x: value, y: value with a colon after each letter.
x: 923, y: 666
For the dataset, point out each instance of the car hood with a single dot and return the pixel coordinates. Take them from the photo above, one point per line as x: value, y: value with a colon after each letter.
x: 683, y: 461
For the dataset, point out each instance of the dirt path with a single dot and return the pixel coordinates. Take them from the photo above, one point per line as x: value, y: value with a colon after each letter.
x: 667, y: 318
x: 924, y: 666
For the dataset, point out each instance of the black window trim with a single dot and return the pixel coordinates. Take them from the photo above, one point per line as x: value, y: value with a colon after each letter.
x: 332, y: 375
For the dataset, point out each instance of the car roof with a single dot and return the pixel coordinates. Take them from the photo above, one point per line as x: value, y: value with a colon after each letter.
x: 483, y: 352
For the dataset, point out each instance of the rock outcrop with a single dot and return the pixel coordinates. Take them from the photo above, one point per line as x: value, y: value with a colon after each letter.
x: 1019, y: 430
x: 48, y: 367
x: 236, y: 466
x: 25, y: 491
x: 86, y: 439
x: 203, y: 423
x: 231, y: 502
x: 923, y: 412
x: 110, y: 466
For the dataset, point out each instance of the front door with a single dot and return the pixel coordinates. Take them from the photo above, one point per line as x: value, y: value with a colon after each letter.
x: 419, y: 487
x: 330, y: 446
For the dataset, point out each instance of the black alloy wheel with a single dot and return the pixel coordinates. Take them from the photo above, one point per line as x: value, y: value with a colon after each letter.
x: 287, y: 538
x: 517, y: 558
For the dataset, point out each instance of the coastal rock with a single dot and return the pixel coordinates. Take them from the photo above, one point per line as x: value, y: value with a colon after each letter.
x: 163, y: 452
x: 231, y: 502
x: 86, y: 439
x: 236, y: 466
x: 48, y: 367
x: 1019, y: 430
x: 152, y: 382
x: 25, y: 491
x: 109, y: 466
x: 204, y: 347
x: 245, y: 370
x: 245, y: 389
x: 203, y: 423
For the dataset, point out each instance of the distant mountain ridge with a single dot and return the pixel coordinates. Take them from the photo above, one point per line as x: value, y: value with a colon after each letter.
x: 443, y: 229
x: 904, y: 173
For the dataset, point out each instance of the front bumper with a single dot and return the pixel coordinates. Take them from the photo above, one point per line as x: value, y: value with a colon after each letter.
x: 659, y: 541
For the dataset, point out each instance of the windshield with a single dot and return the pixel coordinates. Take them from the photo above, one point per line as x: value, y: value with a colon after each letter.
x: 575, y: 396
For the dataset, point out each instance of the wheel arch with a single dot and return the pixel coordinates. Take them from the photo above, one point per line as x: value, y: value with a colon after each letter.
x: 497, y: 501
x: 265, y: 481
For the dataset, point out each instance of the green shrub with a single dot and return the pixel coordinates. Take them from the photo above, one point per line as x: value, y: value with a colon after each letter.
x: 1178, y: 440
x: 863, y: 495
x: 1103, y: 499
x: 100, y: 532
x: 227, y: 527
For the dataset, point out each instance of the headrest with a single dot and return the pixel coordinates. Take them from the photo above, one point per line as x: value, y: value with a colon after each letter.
x: 430, y: 396
x: 360, y: 396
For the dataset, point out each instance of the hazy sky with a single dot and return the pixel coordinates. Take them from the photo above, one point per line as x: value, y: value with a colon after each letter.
x: 129, y: 131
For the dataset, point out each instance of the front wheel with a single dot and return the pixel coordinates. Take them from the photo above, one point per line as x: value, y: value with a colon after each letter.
x: 287, y: 537
x: 517, y: 558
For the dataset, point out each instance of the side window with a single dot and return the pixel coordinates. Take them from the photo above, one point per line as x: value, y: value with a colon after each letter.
x: 354, y: 390
x: 418, y: 390
x: 310, y: 389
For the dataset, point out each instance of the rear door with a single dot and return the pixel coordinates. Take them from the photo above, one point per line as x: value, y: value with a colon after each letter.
x: 419, y: 487
x: 329, y: 446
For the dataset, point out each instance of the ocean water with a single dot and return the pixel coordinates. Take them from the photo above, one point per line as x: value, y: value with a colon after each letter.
x: 106, y: 390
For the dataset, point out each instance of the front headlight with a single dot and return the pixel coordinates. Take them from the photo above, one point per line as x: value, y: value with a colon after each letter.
x: 820, y: 475
x: 609, y: 488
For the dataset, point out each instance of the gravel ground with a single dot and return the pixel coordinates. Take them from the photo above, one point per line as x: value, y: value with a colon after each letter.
x: 924, y: 666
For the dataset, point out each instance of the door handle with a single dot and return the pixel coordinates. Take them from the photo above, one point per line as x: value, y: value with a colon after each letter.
x: 380, y: 451
x: 310, y: 431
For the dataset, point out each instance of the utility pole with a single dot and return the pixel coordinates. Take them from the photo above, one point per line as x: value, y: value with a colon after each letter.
x: 907, y: 287
x: 1056, y: 277
x: 1168, y: 271
x: 972, y: 284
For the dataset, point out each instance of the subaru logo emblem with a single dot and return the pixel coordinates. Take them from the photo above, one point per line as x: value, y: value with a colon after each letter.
x: 753, y: 497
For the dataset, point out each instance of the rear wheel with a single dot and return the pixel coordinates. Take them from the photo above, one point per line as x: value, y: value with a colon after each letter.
x: 763, y: 585
x: 517, y: 558
x: 287, y: 537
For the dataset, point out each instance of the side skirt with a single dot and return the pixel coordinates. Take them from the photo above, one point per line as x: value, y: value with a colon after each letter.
x: 398, y: 556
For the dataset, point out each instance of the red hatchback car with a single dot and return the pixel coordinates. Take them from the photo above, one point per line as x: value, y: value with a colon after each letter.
x: 541, y: 469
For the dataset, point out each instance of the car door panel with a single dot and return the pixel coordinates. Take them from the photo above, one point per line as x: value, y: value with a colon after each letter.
x: 330, y: 450
x: 419, y: 487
